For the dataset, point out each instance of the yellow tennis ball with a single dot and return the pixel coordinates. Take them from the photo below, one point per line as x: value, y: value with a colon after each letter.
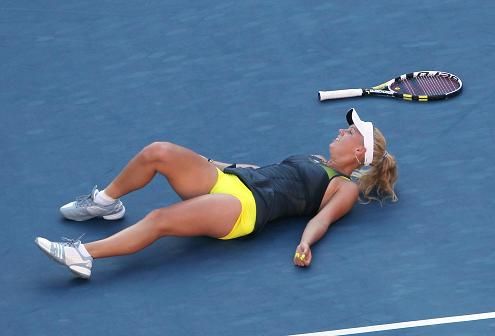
x: 297, y: 255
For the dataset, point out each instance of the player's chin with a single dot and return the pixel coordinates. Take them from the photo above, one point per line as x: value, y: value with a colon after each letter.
x: 332, y: 147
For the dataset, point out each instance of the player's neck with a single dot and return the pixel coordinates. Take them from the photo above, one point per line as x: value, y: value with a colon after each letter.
x: 344, y: 168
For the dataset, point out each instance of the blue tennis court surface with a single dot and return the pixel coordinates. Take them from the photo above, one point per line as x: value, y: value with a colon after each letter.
x: 87, y: 84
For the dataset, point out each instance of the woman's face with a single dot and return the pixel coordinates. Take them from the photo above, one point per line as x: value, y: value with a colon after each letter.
x: 346, y: 141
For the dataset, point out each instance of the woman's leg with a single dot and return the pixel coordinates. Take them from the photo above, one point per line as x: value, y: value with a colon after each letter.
x: 207, y: 215
x: 188, y: 173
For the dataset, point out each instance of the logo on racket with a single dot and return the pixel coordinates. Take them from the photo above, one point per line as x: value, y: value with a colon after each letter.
x: 438, y: 73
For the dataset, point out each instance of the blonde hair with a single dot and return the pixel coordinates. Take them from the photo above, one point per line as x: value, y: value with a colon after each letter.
x: 378, y: 181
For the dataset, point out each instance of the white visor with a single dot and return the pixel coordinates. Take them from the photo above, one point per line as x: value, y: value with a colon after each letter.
x: 366, y: 130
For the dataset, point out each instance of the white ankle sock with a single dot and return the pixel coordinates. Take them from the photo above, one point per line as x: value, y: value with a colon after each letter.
x: 103, y: 199
x: 83, y: 250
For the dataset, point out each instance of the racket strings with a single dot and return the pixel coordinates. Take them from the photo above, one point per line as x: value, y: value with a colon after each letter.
x: 415, y: 87
x: 451, y: 84
x: 409, y: 87
x: 440, y: 85
x: 447, y: 85
x: 434, y: 84
x: 429, y: 89
x: 428, y: 86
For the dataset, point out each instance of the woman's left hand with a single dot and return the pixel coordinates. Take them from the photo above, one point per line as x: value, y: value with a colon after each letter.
x: 302, y: 257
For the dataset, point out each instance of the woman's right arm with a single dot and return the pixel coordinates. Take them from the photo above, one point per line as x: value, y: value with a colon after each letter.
x: 339, y: 205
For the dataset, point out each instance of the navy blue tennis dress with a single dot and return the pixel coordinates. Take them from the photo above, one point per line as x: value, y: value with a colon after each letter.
x: 294, y: 187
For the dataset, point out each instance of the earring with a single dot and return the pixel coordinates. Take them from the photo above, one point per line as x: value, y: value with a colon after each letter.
x: 360, y: 163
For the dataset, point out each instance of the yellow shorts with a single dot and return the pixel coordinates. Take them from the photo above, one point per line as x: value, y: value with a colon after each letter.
x: 230, y: 184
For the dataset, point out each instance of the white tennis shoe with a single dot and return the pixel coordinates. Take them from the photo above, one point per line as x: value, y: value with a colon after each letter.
x: 85, y: 207
x: 70, y: 253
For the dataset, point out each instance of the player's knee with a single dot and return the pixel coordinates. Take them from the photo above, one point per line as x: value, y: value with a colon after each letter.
x: 158, y: 222
x: 158, y: 152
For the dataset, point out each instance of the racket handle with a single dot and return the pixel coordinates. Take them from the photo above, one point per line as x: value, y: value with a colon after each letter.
x: 337, y: 94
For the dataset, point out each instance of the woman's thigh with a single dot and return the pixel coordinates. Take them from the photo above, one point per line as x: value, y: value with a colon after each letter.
x: 207, y: 215
x: 188, y: 173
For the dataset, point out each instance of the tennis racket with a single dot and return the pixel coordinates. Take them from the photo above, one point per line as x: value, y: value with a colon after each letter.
x: 420, y: 86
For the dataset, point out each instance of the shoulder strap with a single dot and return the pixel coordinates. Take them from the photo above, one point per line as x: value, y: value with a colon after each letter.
x: 330, y: 171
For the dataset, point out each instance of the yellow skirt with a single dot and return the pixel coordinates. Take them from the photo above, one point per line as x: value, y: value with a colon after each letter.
x: 231, y: 185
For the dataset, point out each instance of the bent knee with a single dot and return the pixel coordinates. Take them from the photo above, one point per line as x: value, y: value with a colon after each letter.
x: 158, y: 222
x: 158, y: 152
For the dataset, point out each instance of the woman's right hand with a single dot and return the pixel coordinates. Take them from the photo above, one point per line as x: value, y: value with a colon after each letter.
x: 302, y: 257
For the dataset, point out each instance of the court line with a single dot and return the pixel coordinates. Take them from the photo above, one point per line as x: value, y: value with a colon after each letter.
x: 403, y: 325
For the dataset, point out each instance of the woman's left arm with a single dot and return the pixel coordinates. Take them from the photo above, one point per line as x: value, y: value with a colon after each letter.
x: 340, y: 204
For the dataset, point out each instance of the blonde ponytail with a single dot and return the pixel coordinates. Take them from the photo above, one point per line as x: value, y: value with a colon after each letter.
x: 378, y: 181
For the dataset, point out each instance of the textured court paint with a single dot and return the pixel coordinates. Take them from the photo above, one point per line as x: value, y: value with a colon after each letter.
x: 87, y: 84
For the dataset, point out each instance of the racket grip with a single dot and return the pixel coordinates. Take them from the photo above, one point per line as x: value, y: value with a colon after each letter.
x: 337, y: 94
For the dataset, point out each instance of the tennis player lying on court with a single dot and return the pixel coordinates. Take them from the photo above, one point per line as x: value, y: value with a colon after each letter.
x: 227, y: 201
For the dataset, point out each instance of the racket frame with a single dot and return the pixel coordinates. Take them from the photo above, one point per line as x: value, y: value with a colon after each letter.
x: 384, y: 89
